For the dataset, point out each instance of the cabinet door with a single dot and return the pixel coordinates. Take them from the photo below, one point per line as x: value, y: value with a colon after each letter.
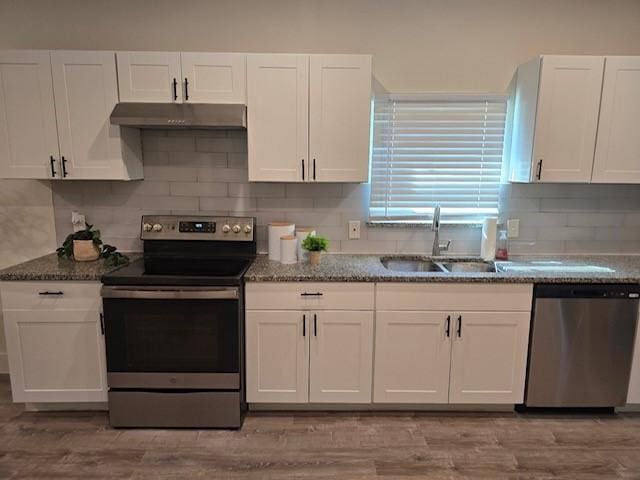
x: 28, y: 133
x: 277, y: 356
x: 634, y: 384
x: 413, y: 351
x: 278, y: 117
x: 489, y: 357
x: 341, y: 362
x: 618, y: 142
x: 86, y: 90
x: 567, y: 118
x: 149, y: 77
x: 339, y: 117
x: 214, y: 77
x: 56, y: 355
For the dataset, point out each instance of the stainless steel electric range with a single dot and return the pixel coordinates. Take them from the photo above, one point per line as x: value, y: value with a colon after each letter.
x: 174, y: 324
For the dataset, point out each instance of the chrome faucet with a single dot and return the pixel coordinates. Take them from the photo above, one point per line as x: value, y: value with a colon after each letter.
x: 435, y: 227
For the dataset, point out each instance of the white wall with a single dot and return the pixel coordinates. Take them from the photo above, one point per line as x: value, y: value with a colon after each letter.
x: 433, y: 45
x: 26, y: 229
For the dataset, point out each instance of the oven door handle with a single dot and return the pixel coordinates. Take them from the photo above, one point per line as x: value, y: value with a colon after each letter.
x: 171, y: 293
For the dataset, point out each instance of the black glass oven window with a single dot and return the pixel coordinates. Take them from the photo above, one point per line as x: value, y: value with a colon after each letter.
x: 172, y: 335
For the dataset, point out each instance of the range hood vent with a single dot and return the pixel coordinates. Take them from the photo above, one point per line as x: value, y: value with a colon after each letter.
x: 180, y: 115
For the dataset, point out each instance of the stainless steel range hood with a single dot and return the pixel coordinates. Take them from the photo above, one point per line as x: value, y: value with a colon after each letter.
x: 181, y: 115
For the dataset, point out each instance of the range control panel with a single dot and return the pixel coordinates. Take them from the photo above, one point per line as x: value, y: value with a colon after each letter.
x: 178, y: 227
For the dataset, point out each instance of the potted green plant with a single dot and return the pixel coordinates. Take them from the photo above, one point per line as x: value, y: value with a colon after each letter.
x: 315, y: 245
x: 86, y: 246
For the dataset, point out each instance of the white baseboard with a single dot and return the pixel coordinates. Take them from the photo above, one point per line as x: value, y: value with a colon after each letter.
x: 4, y: 362
x: 376, y: 407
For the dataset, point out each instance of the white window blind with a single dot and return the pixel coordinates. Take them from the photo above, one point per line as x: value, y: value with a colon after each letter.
x: 437, y: 151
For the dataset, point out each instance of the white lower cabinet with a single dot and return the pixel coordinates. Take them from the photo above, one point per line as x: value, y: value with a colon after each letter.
x: 413, y: 354
x: 341, y: 357
x: 302, y: 356
x: 277, y: 353
x: 489, y: 357
x: 448, y: 355
x: 55, y: 341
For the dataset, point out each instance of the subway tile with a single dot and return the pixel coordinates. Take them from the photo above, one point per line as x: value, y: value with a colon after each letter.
x: 142, y: 187
x: 256, y: 190
x: 198, y: 159
x: 170, y: 203
x: 567, y: 204
x: 368, y: 246
x: 168, y: 144
x: 170, y: 172
x: 523, y: 204
x: 232, y: 205
x: 221, y: 144
x: 314, y: 219
x: 593, y: 219
x: 303, y: 190
x: 26, y: 193
x: 213, y: 174
x: 198, y: 189
x: 566, y: 233
x: 339, y: 204
x: 333, y: 233
x: 237, y: 160
x: 540, y: 219
x: 289, y: 204
x: 155, y: 158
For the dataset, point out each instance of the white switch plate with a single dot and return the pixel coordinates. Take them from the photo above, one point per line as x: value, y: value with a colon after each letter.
x: 513, y: 228
x: 354, y: 229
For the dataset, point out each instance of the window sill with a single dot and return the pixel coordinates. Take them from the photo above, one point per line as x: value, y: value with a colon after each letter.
x: 421, y: 224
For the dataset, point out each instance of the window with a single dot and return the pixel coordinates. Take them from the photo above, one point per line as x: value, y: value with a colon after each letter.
x: 437, y: 150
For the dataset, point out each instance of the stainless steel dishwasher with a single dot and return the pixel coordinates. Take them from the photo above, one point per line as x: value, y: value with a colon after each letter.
x: 581, y: 346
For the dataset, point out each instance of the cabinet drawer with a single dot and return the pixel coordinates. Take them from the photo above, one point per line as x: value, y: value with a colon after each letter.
x: 309, y: 296
x: 50, y: 295
x: 458, y: 297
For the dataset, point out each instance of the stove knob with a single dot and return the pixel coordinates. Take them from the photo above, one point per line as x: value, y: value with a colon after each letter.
x: 226, y: 229
x: 147, y: 227
x: 157, y: 227
x: 236, y: 229
x: 247, y: 229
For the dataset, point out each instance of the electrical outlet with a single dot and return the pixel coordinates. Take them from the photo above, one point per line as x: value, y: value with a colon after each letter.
x: 513, y: 228
x: 354, y: 229
x: 78, y: 221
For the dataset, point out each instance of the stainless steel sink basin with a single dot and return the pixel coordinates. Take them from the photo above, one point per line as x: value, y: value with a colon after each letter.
x: 410, y: 265
x: 400, y: 264
x: 469, y: 266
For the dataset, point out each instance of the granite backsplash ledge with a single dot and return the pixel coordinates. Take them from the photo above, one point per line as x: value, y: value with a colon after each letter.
x: 205, y: 172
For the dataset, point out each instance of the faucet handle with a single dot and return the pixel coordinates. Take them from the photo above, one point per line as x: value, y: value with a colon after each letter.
x: 445, y: 246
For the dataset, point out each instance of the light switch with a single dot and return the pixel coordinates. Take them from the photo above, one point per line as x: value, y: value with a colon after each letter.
x: 513, y: 228
x: 354, y: 229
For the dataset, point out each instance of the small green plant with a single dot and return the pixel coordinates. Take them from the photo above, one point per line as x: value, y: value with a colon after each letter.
x: 109, y: 253
x: 315, y: 243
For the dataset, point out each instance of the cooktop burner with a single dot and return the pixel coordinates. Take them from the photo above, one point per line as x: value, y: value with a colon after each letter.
x: 190, y: 250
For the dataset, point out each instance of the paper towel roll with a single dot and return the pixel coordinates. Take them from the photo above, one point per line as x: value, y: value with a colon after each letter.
x: 488, y: 245
x: 277, y: 230
x: 301, y: 234
x: 288, y: 245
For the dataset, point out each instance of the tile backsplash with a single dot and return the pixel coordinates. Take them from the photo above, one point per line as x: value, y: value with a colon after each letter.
x: 205, y: 172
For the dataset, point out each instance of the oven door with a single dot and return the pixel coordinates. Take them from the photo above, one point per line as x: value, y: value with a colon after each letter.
x: 172, y: 337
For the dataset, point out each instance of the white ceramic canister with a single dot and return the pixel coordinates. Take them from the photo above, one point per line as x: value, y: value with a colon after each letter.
x: 288, y: 252
x: 276, y: 231
x: 301, y: 234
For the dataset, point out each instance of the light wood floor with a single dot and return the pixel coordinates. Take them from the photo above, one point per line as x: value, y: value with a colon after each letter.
x: 322, y: 446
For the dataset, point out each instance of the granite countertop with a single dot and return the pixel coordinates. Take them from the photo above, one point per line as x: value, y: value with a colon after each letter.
x: 520, y: 269
x: 50, y: 267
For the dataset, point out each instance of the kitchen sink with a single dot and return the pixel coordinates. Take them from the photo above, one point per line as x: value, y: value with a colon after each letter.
x: 445, y: 266
x: 469, y: 266
x: 410, y: 265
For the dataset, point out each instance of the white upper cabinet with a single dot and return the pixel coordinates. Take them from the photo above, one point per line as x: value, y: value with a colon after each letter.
x: 214, y: 77
x: 574, y: 120
x: 181, y: 77
x: 556, y: 119
x: 149, y: 77
x: 617, y: 158
x: 86, y: 90
x: 308, y: 117
x: 278, y: 117
x: 28, y: 132
x: 339, y: 117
